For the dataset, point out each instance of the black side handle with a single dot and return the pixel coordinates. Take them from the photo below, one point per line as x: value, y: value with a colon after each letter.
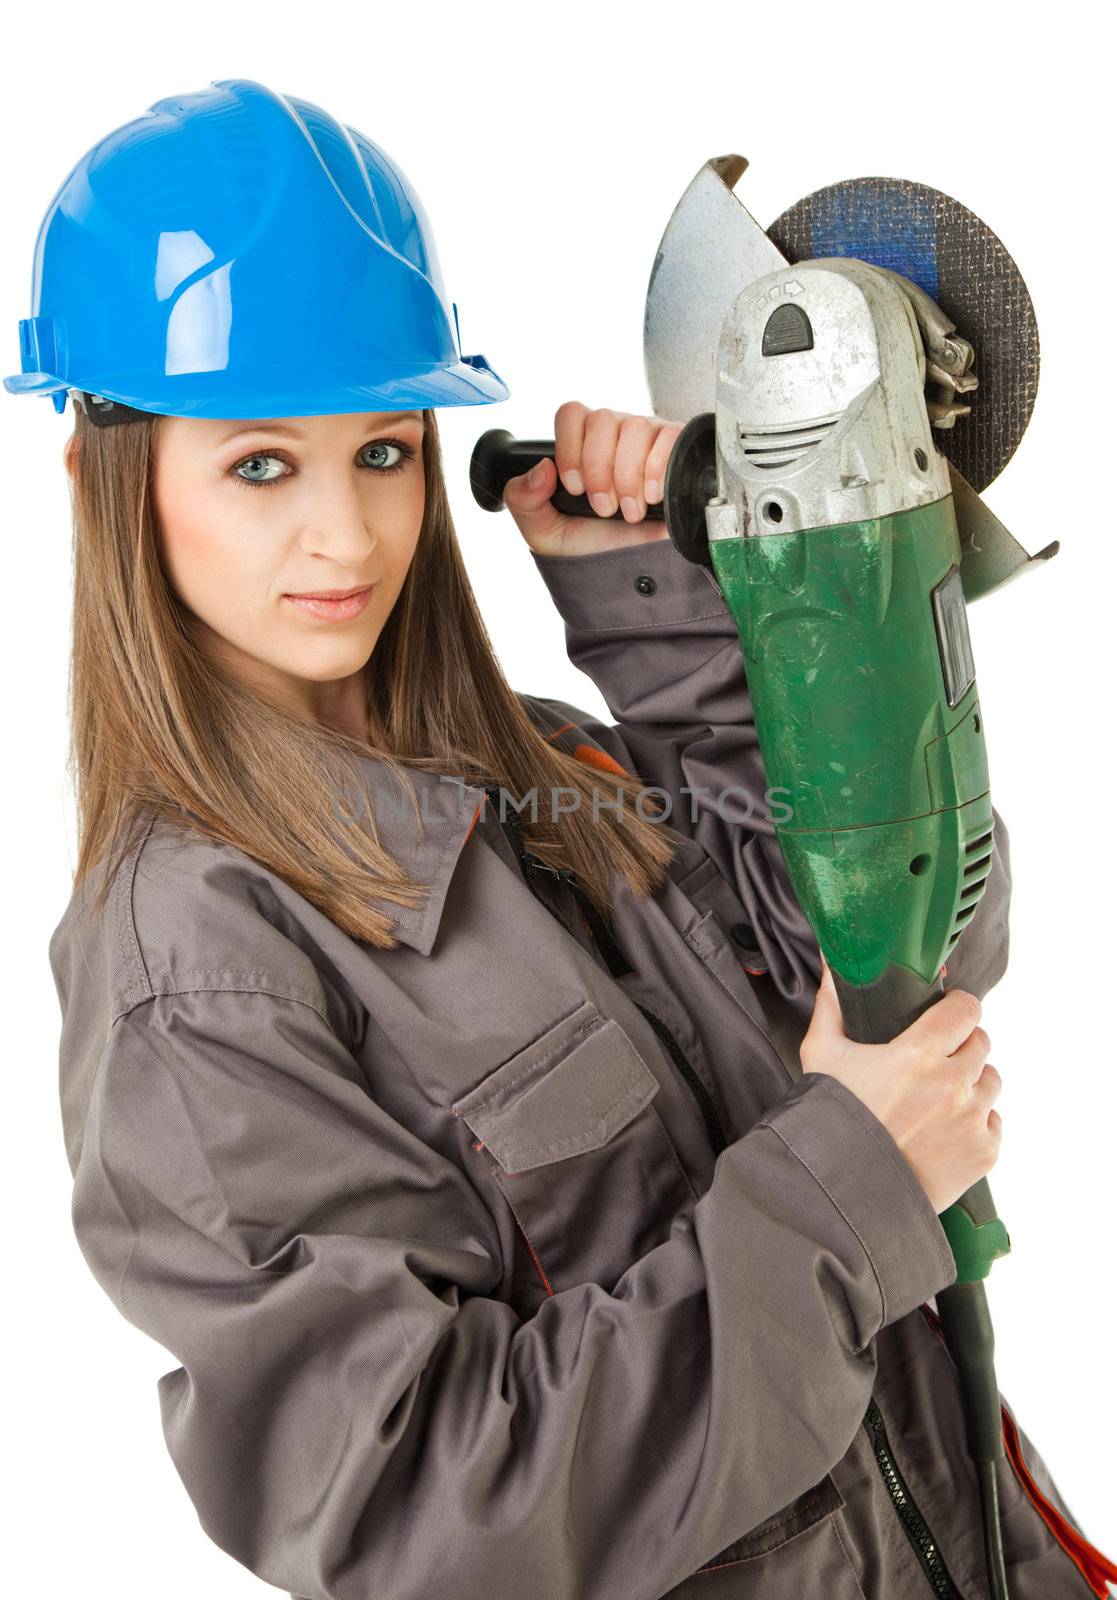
x: 497, y: 456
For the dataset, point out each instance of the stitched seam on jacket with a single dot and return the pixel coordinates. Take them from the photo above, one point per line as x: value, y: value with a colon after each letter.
x: 555, y: 1147
x: 884, y: 1142
x: 674, y: 1153
x: 194, y: 978
x: 276, y: 991
x: 735, y: 998
x: 125, y: 920
x: 766, y: 1539
x: 497, y: 1178
x: 652, y: 627
x: 837, y: 1532
x: 438, y: 888
x: 539, y: 1061
x: 855, y: 1231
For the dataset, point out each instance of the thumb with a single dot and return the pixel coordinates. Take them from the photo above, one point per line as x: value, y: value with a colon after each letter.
x: 530, y: 504
x: 826, y: 1020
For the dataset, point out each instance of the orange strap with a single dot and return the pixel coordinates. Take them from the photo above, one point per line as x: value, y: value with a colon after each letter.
x: 592, y: 756
x: 1094, y: 1567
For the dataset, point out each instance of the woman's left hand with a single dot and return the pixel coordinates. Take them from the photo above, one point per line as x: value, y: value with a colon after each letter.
x: 618, y: 459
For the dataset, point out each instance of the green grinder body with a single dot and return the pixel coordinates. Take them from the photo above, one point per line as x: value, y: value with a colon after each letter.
x: 856, y: 648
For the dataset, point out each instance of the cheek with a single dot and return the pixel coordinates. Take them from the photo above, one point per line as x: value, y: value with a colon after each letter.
x: 399, y: 536
x: 219, y: 570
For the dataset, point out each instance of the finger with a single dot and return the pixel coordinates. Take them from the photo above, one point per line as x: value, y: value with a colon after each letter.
x: 530, y: 503
x: 995, y: 1125
x: 826, y: 1023
x: 655, y: 468
x: 599, y: 449
x: 988, y: 1085
x: 947, y: 1024
x: 633, y: 444
x: 570, y: 427
x: 972, y: 1055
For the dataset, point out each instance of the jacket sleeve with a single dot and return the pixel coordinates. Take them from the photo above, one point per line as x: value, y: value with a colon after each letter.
x: 667, y: 660
x: 356, y: 1414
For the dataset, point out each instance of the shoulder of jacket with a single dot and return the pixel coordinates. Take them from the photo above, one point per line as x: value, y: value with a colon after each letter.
x: 562, y: 724
x: 183, y: 917
x: 574, y: 731
x: 185, y: 914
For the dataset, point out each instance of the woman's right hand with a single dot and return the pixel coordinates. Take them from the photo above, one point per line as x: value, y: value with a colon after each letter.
x: 931, y: 1086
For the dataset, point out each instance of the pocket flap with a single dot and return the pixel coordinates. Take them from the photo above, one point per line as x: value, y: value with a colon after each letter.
x: 567, y: 1092
x: 818, y: 1502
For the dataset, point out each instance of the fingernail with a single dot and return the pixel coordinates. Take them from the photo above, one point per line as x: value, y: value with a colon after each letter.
x: 602, y: 503
x: 651, y: 490
x: 630, y: 509
x: 573, y: 481
x: 535, y: 476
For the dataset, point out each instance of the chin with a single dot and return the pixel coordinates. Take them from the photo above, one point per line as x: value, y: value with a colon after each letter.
x: 329, y: 667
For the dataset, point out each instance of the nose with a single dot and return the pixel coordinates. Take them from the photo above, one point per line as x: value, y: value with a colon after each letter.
x: 336, y: 526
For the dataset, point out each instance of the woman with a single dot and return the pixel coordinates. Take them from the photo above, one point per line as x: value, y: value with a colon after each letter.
x: 458, y: 1146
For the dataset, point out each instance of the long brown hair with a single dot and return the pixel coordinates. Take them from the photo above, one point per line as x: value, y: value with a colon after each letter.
x: 158, y: 723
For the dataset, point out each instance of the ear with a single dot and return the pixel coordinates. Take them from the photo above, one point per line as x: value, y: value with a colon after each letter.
x: 70, y: 455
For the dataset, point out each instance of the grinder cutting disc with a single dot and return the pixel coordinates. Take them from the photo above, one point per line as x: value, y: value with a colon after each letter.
x: 951, y: 254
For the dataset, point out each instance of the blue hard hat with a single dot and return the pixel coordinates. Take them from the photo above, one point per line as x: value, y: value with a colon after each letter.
x: 240, y: 253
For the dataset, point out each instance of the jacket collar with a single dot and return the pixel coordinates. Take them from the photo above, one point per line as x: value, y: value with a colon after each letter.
x: 427, y: 847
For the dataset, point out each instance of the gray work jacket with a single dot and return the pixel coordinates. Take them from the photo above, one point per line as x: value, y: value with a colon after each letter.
x: 492, y: 1272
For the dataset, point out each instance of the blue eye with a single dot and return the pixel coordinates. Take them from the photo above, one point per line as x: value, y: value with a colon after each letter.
x: 389, y: 445
x: 392, y: 456
x: 256, y: 461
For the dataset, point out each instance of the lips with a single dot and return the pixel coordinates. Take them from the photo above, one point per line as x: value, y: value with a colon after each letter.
x: 331, y: 594
x: 337, y: 605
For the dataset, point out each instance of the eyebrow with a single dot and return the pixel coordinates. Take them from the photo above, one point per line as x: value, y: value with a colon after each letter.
x: 374, y: 419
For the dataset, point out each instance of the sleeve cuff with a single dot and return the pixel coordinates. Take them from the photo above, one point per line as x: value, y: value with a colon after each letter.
x: 610, y: 589
x: 855, y: 1160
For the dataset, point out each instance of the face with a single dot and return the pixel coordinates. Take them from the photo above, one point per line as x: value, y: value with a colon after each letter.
x: 258, y: 517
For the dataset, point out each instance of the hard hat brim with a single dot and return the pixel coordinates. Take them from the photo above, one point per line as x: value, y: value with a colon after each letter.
x: 470, y: 381
x: 34, y: 383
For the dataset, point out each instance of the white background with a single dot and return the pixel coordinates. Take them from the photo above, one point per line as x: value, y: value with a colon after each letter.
x: 549, y: 146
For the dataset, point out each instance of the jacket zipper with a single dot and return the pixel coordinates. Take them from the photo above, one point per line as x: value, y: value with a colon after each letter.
x: 911, y: 1519
x: 694, y: 1082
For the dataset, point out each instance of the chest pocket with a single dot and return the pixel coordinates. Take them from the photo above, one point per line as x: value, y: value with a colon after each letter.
x: 568, y: 1131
